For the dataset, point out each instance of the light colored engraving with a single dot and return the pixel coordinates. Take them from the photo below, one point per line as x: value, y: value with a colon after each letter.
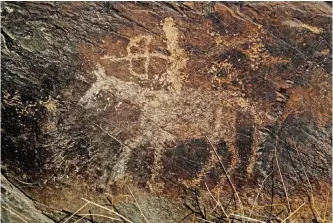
x: 133, y: 44
x: 167, y: 114
x: 298, y: 24
x: 178, y: 56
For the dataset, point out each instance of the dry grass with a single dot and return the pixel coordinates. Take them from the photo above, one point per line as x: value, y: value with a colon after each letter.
x: 239, y: 213
x: 98, y: 215
x: 228, y: 214
x: 326, y: 205
x: 218, y: 203
x: 122, y: 218
x: 137, y: 204
x: 310, y: 196
x: 227, y: 175
x: 294, y: 212
x: 11, y: 210
x: 260, y: 189
x: 280, y: 173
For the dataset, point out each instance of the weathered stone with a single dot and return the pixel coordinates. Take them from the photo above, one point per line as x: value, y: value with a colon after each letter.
x: 97, y: 96
x: 17, y: 207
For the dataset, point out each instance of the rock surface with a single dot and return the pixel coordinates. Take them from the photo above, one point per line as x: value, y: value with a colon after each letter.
x: 162, y: 97
x: 17, y: 207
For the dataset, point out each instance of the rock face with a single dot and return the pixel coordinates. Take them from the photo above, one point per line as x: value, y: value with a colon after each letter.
x: 184, y: 103
x: 17, y: 207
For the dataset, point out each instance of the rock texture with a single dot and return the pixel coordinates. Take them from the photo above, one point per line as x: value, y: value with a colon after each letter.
x: 182, y: 102
x: 17, y: 207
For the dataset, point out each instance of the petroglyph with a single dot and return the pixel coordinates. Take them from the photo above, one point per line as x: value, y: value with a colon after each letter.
x: 167, y: 114
x: 160, y: 77
x: 298, y: 24
x: 139, y: 59
x: 137, y: 49
x: 178, y: 57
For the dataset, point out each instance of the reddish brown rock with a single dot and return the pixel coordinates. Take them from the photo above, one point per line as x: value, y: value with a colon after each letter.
x: 98, y: 96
